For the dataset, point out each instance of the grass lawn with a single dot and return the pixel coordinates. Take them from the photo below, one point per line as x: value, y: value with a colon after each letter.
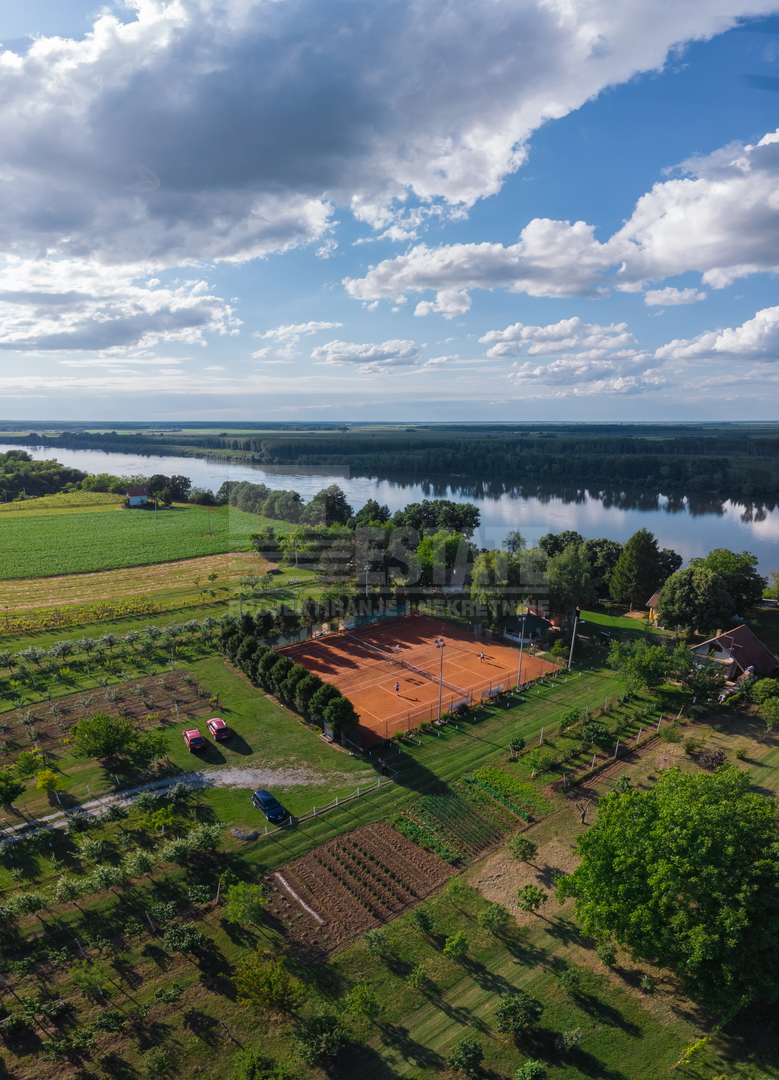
x: 76, y: 542
x: 65, y: 501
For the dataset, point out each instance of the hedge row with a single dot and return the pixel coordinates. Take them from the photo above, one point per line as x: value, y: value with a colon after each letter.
x: 296, y: 686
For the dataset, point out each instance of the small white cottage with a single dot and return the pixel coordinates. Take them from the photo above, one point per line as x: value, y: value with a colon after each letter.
x: 137, y: 496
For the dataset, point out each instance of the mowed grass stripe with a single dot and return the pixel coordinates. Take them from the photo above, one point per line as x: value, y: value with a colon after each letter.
x: 73, y: 543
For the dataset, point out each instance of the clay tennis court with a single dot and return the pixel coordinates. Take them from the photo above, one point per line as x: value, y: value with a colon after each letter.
x: 390, y: 670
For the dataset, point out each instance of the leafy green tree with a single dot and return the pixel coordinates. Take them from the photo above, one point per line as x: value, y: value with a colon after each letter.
x: 328, y: 507
x: 362, y: 1002
x: 522, y: 848
x: 530, y: 898
x: 420, y: 918
x: 138, y: 864
x: 739, y: 572
x: 67, y: 890
x: 456, y: 946
x: 570, y: 579
x: 10, y: 788
x: 636, y: 574
x: 602, y: 555
x: 105, y: 877
x: 764, y: 689
x: 467, y: 1056
x: 495, y: 919
x: 27, y: 764
x: 516, y: 1012
x: 304, y: 692
x: 695, y: 598
x: 531, y: 1070
x: 265, y: 984
x: 47, y: 780
x: 245, y: 903
x: 639, y: 664
x: 417, y: 978
x: 340, y: 714
x: 376, y: 942
x: 321, y: 1038
x: 698, y: 882
x: 496, y: 582
x: 514, y: 542
x: 103, y: 736
x: 321, y: 699
x: 555, y: 543
x: 185, y: 938
x: 769, y: 710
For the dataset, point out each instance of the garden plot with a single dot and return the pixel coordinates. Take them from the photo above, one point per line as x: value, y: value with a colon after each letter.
x: 168, y: 696
x: 349, y: 885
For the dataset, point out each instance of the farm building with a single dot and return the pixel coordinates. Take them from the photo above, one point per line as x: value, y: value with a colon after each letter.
x: 739, y: 652
x: 137, y: 496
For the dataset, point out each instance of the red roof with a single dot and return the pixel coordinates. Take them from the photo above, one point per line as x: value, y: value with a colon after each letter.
x: 745, y: 648
x: 653, y: 599
x: 137, y: 491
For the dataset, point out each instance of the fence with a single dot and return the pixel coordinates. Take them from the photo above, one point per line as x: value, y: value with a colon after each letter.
x: 317, y: 811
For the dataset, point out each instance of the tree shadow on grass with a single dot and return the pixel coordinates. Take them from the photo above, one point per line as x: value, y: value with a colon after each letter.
x: 565, y: 931
x: 459, y: 1014
x: 157, y: 955
x: 541, y: 1043
x: 413, y: 1052
x: 486, y: 979
x: 239, y: 934
x: 204, y: 1027
x: 606, y: 1014
x: 117, y: 1067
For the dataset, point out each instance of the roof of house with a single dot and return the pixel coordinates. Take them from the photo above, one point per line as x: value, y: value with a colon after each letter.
x: 745, y: 648
x: 137, y: 491
x: 653, y: 599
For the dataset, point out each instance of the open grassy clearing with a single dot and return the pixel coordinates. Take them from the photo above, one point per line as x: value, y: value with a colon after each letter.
x: 50, y: 544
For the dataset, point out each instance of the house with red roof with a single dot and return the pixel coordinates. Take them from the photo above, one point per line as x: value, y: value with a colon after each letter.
x: 739, y: 652
x: 137, y: 496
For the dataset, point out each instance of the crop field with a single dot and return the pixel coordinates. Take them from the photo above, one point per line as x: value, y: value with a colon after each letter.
x: 187, y: 577
x: 77, y: 543
x: 450, y: 825
x: 352, y: 884
x: 65, y: 500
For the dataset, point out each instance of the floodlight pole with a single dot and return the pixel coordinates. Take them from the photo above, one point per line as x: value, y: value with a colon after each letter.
x: 367, y: 569
x: 440, y: 644
x: 573, y: 637
x: 521, y: 647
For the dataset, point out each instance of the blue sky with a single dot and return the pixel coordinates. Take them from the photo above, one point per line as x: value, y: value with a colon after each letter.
x: 493, y: 210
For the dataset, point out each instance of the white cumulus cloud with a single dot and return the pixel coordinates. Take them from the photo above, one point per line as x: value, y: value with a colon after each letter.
x: 289, y: 336
x: 557, y: 337
x: 54, y: 305
x: 670, y: 297
x: 756, y: 339
x: 368, y: 357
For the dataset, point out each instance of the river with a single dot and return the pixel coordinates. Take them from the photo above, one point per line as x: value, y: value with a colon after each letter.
x: 692, y: 526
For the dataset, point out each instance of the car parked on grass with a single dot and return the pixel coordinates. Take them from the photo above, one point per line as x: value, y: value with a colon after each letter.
x: 194, y: 740
x: 218, y: 728
x: 270, y: 806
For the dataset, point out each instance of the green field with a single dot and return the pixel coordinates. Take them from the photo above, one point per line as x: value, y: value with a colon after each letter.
x: 76, y: 543
x: 64, y: 500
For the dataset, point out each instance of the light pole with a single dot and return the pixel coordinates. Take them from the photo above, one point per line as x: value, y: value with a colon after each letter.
x: 521, y: 647
x: 440, y: 644
x: 576, y: 621
x: 367, y: 569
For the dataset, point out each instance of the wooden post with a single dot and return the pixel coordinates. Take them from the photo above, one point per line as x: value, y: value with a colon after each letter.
x: 616, y: 748
x: 638, y: 738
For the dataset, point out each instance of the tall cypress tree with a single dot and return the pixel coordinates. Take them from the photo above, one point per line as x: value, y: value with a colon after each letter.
x: 636, y: 575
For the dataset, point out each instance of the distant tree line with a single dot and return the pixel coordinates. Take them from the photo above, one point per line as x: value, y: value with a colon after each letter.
x: 739, y: 465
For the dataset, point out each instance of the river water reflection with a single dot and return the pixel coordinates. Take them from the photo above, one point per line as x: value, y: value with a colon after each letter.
x: 691, y: 525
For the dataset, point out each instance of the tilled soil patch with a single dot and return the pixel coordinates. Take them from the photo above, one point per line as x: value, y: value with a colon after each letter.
x: 169, y: 696
x: 349, y: 885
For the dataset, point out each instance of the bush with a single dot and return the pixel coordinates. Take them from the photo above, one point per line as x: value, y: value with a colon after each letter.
x: 157, y: 1062
x: 568, y: 1040
x: 596, y: 734
x: 420, y: 919
x: 518, y: 1011
x: 495, y: 919
x: 671, y: 733
x: 253, y: 1065
x: 186, y: 939
x: 607, y: 954
x: 10, y: 788
x: 570, y: 980
x: 522, y: 848
x: 376, y: 942
x: 690, y: 746
x: 321, y: 1038
x: 456, y: 946
x: 467, y: 1056
x: 531, y: 1070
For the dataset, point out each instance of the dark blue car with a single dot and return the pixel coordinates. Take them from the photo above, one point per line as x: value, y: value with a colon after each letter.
x: 270, y: 806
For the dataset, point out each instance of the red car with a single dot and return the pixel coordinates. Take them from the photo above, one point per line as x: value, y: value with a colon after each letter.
x: 218, y: 728
x: 194, y: 740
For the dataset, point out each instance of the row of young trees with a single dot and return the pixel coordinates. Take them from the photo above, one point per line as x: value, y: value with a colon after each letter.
x: 296, y: 686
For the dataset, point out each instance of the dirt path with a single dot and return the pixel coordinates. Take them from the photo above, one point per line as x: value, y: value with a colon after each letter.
x: 230, y: 776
